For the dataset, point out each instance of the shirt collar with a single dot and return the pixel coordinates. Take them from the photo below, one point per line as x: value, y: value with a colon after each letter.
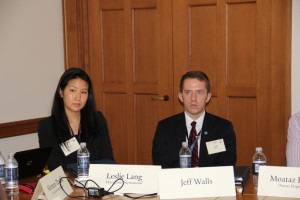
x: 199, y: 121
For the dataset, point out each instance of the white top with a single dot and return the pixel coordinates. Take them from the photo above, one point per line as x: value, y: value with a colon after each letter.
x: 293, y: 143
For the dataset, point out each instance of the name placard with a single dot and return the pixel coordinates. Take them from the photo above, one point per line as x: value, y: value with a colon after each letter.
x: 142, y: 179
x: 49, y: 187
x: 196, y: 182
x: 279, y: 181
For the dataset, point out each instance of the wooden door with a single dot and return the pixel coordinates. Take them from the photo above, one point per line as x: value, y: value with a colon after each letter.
x: 130, y: 48
x: 138, y: 49
x: 243, y: 46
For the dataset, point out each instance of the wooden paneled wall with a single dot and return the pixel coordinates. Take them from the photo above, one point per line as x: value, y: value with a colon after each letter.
x: 129, y: 46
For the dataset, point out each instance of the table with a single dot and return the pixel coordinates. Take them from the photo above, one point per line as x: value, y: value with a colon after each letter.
x: 249, y: 192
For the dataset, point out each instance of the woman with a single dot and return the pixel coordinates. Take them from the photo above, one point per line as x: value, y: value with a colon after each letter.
x: 74, y: 119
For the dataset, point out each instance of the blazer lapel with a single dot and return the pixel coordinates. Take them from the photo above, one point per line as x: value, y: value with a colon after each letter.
x: 206, y: 128
x: 181, y: 131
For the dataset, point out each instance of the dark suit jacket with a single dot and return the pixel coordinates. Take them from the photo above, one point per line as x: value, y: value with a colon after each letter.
x: 99, y: 147
x: 171, y: 132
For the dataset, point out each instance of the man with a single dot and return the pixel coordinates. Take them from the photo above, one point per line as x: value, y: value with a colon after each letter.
x: 212, y: 140
x: 293, y: 143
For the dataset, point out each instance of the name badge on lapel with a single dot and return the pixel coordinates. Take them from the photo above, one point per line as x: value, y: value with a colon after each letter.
x: 70, y: 146
x: 215, y: 146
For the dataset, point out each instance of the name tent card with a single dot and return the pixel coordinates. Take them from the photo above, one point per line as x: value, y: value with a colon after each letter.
x: 279, y: 181
x: 196, y: 182
x: 141, y: 179
x: 49, y: 187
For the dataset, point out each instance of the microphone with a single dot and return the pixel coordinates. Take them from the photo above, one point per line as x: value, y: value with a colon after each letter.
x: 205, y: 132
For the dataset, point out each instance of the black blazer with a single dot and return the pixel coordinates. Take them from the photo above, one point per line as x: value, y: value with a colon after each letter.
x: 99, y: 146
x: 172, y: 131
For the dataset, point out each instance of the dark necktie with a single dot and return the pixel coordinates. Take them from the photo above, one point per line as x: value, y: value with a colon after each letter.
x: 192, y: 138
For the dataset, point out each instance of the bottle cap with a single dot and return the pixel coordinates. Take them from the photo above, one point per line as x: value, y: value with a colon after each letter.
x: 259, y: 149
x: 184, y: 144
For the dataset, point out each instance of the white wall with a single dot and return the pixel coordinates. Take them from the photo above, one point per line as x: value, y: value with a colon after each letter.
x: 31, y: 62
x: 31, y: 57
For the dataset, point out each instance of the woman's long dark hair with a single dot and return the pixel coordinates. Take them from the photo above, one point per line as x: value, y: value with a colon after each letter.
x: 60, y: 122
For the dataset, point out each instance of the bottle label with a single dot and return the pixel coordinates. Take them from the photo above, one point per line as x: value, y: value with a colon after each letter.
x: 1, y: 171
x: 185, y: 161
x: 83, y: 162
x: 256, y: 165
x: 11, y: 174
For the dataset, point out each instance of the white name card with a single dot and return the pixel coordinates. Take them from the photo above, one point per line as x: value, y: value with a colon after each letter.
x: 49, y: 187
x: 141, y: 179
x: 196, y: 182
x: 279, y: 181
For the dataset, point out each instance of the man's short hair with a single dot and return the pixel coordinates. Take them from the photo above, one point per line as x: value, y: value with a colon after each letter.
x: 201, y: 76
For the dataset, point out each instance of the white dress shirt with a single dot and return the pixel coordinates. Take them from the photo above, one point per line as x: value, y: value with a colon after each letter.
x: 293, y: 143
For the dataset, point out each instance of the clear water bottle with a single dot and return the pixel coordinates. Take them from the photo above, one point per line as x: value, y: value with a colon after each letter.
x: 11, y: 177
x: 185, y: 156
x: 2, y: 163
x: 259, y: 159
x: 83, y: 162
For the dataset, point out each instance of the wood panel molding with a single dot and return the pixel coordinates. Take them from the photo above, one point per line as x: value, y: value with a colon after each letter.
x: 75, y: 33
x: 17, y: 128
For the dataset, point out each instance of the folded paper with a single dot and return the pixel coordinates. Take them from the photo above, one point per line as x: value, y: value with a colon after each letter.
x: 279, y: 181
x: 49, y: 186
x: 142, y: 179
x: 196, y: 182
